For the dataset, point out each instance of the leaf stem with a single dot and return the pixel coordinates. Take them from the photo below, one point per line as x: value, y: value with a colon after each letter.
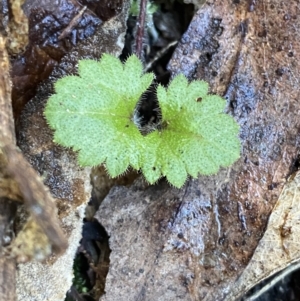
x: 140, y: 28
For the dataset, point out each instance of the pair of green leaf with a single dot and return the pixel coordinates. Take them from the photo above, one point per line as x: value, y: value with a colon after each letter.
x: 94, y: 114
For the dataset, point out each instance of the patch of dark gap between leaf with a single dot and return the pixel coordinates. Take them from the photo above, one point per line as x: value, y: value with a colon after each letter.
x: 170, y: 21
x: 104, y: 9
x: 91, y: 263
x: 165, y: 27
x: 294, y: 167
x: 7, y: 218
x: 147, y: 112
x: 286, y: 289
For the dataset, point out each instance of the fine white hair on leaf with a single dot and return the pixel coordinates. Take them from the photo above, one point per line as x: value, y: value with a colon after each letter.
x: 137, y: 119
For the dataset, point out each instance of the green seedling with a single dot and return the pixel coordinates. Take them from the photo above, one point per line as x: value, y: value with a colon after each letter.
x: 95, y: 114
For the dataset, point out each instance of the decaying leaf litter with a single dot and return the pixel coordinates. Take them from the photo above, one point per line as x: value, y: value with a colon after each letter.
x: 70, y: 184
x: 258, y: 75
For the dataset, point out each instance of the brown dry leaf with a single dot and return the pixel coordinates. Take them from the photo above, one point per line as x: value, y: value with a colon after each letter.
x: 54, y: 29
x: 20, y: 180
x: 279, y: 246
x: 193, y: 243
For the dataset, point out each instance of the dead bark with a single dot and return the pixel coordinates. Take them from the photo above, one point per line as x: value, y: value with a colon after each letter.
x: 18, y: 181
x: 22, y: 175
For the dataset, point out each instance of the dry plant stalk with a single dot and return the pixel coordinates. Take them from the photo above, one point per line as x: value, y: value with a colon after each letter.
x: 20, y: 182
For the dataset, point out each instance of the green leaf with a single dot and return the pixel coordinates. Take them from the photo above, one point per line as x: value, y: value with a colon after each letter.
x: 197, y: 136
x: 94, y: 113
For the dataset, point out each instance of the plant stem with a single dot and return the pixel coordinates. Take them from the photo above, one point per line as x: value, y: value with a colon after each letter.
x: 140, y: 28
